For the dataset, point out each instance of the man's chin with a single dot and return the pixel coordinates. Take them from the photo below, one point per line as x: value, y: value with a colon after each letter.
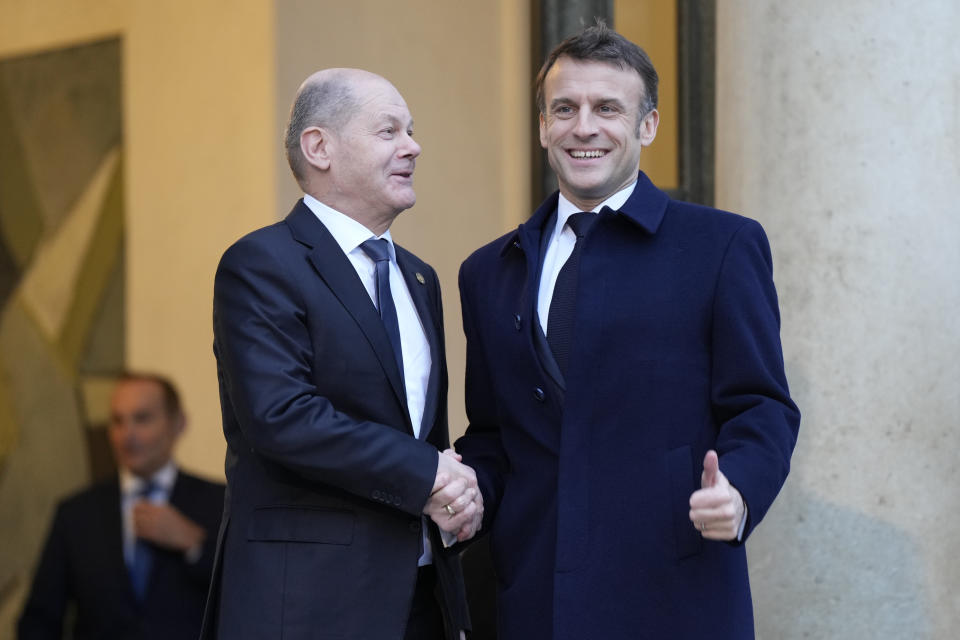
x: 587, y: 191
x: 405, y: 201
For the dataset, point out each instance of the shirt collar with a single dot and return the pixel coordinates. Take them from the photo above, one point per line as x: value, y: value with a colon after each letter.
x: 164, y: 478
x: 565, y: 208
x: 348, y: 233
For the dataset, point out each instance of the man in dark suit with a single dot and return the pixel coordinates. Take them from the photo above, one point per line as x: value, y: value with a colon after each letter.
x: 133, y: 555
x: 333, y: 385
x: 630, y: 422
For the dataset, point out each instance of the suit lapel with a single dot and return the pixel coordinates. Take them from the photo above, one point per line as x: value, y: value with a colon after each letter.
x: 180, y: 493
x: 335, y: 269
x: 112, y: 536
x: 418, y: 288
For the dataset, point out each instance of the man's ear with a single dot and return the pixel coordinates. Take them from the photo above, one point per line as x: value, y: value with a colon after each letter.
x: 314, y: 144
x: 648, y: 127
x: 179, y: 423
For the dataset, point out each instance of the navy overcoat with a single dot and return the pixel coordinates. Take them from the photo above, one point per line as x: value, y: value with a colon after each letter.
x: 587, y: 480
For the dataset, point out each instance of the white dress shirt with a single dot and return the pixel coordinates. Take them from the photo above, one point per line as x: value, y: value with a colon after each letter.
x: 350, y: 234
x: 417, y: 360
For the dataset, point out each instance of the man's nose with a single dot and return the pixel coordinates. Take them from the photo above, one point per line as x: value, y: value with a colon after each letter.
x: 411, y: 149
x: 585, y: 125
x: 125, y: 432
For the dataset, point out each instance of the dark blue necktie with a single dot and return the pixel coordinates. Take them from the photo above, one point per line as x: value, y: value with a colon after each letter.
x: 142, y: 560
x: 379, y: 251
x: 564, y: 301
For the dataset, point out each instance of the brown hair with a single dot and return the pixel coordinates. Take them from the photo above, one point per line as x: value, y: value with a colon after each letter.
x: 600, y: 43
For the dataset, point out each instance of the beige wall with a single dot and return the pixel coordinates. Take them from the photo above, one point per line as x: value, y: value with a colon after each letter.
x: 198, y: 81
x: 653, y: 25
x: 26, y: 27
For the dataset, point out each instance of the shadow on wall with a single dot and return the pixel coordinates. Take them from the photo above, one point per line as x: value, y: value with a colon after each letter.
x: 819, y: 570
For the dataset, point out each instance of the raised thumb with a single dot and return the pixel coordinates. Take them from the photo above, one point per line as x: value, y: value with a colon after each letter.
x: 711, y: 470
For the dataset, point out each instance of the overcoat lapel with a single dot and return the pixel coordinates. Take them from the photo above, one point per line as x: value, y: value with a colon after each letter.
x: 533, y: 237
x: 425, y: 309
x: 335, y: 270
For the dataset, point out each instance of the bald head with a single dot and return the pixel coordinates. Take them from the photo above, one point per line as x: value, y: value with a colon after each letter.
x: 327, y: 99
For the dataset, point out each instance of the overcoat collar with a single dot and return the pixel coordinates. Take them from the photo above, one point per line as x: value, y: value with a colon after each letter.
x: 645, y: 208
x: 333, y: 266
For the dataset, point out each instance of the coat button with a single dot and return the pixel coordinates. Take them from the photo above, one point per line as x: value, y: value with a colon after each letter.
x: 539, y: 394
x: 415, y: 526
x: 375, y: 494
x: 516, y: 321
x: 396, y: 501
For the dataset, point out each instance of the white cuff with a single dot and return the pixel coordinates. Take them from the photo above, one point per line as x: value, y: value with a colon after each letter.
x: 743, y: 523
x: 448, y: 539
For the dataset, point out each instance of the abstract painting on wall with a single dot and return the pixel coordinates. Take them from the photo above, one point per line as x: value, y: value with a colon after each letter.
x: 61, y: 287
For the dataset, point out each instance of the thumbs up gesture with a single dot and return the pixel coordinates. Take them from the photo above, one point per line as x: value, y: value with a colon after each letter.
x: 716, y: 510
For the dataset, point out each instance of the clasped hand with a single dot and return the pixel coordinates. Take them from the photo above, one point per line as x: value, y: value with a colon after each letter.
x: 455, y: 502
x: 164, y: 526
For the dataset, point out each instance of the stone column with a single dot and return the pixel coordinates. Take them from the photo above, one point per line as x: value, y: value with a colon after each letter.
x: 837, y: 128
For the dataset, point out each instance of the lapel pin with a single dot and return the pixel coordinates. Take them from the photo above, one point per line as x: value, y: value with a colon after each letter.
x: 420, y: 278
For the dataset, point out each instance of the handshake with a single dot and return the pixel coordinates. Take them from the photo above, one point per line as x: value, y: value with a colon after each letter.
x: 455, y: 503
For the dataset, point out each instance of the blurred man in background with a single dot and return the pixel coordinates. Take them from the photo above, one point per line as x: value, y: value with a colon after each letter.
x: 132, y: 555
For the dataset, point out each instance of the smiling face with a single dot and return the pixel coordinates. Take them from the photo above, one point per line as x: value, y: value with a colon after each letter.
x: 592, y: 128
x: 372, y: 157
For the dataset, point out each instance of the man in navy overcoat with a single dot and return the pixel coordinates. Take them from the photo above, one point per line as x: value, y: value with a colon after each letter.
x: 630, y: 422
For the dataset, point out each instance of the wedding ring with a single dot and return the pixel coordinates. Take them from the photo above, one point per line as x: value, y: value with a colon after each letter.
x: 449, y: 510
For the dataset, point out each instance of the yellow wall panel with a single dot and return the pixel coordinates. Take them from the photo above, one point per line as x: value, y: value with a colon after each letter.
x: 653, y: 26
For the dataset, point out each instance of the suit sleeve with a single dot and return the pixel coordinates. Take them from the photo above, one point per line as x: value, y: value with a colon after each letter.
x: 758, y: 419
x: 205, y: 514
x: 480, y: 446
x: 263, y: 345
x: 43, y: 614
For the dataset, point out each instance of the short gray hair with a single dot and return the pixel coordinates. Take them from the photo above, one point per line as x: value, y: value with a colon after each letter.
x: 325, y: 103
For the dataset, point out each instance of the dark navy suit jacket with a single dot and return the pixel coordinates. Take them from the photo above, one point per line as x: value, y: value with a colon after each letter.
x: 326, y: 481
x: 82, y: 563
x: 587, y: 480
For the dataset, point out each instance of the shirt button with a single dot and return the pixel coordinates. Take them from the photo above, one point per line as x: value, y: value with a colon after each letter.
x: 516, y: 321
x: 539, y: 394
